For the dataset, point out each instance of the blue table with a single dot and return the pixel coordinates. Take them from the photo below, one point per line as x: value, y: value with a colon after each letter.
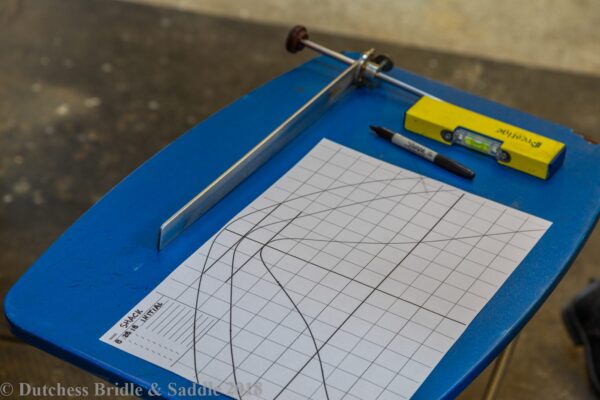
x: 107, y: 261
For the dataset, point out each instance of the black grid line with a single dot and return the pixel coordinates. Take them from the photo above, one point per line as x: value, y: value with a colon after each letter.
x: 307, y: 233
x: 258, y: 280
x: 305, y: 354
x: 307, y: 263
x: 399, y: 372
x: 408, y: 253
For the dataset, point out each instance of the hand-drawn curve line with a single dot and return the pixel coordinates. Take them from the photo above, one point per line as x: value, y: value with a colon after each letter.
x: 233, y: 365
x: 235, y: 380
x: 303, y: 239
x: 258, y: 226
x: 344, y: 206
x: 308, y: 328
x: 356, y: 308
x: 194, y: 338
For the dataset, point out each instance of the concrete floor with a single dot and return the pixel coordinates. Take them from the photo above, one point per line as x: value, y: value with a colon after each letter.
x: 540, y: 33
x: 90, y: 89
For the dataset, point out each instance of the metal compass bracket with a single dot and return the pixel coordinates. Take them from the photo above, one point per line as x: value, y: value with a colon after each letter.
x: 365, y: 70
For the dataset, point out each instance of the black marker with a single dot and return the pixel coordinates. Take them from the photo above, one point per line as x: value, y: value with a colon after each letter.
x: 424, y: 152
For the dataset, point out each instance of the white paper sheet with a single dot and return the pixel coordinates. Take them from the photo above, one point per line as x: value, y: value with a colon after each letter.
x: 348, y: 278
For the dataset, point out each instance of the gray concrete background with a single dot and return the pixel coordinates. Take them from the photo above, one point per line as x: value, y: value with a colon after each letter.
x: 91, y: 88
x: 554, y: 34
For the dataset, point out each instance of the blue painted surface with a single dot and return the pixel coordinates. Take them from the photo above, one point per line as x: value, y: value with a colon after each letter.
x: 107, y: 261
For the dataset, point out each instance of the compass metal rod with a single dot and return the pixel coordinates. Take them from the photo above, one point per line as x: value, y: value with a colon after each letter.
x: 405, y: 86
x: 328, y: 52
x: 298, y: 39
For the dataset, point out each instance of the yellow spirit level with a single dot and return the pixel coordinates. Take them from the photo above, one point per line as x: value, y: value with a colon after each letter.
x: 510, y: 145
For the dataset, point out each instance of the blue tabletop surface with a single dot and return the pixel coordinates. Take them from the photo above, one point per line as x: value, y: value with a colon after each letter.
x: 107, y: 261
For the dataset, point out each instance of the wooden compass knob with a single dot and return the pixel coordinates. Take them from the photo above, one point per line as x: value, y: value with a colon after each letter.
x: 297, y: 34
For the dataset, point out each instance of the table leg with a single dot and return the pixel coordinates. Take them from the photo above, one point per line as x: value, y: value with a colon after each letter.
x: 500, y: 367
